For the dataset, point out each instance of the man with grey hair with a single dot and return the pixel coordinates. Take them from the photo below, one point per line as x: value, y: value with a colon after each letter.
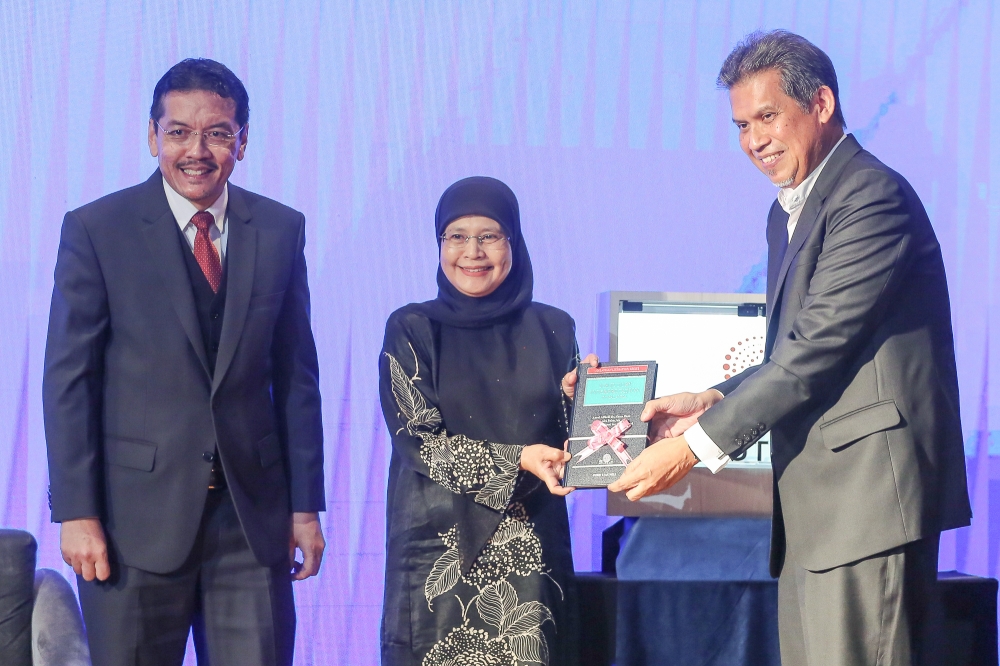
x: 858, y: 385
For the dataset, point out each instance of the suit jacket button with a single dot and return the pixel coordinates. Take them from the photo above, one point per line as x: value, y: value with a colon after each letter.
x: 208, y: 456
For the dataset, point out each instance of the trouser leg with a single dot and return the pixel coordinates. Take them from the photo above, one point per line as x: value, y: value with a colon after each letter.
x: 791, y: 639
x: 922, y: 603
x: 242, y: 612
x: 881, y: 610
x: 246, y: 614
x: 138, y: 618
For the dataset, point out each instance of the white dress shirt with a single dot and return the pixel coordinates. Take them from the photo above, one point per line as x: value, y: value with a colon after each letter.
x: 184, y: 210
x: 791, y: 200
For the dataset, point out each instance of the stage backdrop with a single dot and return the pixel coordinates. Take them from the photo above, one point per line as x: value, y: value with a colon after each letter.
x: 602, y: 116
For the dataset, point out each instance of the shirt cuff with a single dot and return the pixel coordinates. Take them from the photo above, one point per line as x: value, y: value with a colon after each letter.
x: 705, y: 449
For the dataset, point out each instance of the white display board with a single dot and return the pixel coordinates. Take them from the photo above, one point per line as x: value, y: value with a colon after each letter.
x: 697, y: 343
x: 694, y: 351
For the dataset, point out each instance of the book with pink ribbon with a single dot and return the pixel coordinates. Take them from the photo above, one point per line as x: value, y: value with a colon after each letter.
x: 606, y: 433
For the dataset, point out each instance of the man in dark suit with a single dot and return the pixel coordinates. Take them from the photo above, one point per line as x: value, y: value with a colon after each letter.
x: 181, y: 397
x: 858, y: 386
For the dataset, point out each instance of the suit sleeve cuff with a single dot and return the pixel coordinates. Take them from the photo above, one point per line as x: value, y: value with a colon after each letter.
x: 705, y: 449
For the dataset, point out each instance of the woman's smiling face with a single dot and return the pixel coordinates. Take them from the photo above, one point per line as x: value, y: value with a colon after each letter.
x: 475, y: 269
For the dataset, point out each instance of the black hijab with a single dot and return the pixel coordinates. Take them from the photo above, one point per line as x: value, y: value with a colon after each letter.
x: 482, y: 195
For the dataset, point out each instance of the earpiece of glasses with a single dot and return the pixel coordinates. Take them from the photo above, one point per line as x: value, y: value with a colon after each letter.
x: 213, y: 137
x: 459, y: 240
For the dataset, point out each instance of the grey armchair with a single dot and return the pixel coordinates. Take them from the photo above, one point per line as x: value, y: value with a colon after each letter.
x: 40, y: 622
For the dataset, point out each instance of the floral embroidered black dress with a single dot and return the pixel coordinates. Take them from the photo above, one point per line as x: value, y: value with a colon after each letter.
x: 478, y: 562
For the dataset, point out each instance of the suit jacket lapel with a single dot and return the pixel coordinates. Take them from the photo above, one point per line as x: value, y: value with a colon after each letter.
x: 777, y: 241
x: 241, y: 255
x: 160, y: 233
x: 807, y: 219
x: 777, y: 236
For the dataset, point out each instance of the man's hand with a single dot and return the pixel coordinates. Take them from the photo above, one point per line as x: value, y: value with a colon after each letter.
x: 672, y: 415
x: 570, y: 378
x: 307, y: 536
x: 84, y: 548
x: 547, y: 464
x: 658, y: 467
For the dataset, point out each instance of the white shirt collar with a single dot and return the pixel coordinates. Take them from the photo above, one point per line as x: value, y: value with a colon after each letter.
x: 792, y: 198
x: 184, y: 210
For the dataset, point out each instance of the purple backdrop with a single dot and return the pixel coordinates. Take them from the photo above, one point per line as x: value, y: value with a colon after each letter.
x: 602, y: 116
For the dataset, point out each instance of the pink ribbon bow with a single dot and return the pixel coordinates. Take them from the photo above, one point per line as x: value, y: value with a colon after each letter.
x: 605, y: 435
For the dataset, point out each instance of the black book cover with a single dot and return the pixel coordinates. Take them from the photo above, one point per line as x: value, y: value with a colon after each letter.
x: 606, y: 432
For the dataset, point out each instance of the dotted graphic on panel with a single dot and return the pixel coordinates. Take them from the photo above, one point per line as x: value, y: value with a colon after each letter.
x: 744, y: 353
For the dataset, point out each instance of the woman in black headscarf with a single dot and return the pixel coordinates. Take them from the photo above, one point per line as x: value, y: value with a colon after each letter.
x: 474, y: 386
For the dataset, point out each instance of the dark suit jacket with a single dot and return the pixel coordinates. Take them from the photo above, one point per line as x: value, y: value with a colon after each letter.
x: 130, y: 405
x: 858, y: 386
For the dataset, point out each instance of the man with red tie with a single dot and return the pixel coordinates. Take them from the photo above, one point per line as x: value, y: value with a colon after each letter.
x: 181, y: 398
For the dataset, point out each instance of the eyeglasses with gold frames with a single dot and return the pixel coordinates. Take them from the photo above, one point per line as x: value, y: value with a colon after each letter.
x: 456, y: 241
x: 182, y: 136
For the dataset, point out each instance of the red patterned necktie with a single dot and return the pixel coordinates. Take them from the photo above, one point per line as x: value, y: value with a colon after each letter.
x: 204, y: 250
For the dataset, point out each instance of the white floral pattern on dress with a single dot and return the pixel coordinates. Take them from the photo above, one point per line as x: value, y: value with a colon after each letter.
x: 457, y: 462
x: 513, y: 550
x: 519, y: 636
x: 467, y: 645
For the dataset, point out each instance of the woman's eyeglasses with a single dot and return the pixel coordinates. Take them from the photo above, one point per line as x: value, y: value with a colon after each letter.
x: 457, y: 241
